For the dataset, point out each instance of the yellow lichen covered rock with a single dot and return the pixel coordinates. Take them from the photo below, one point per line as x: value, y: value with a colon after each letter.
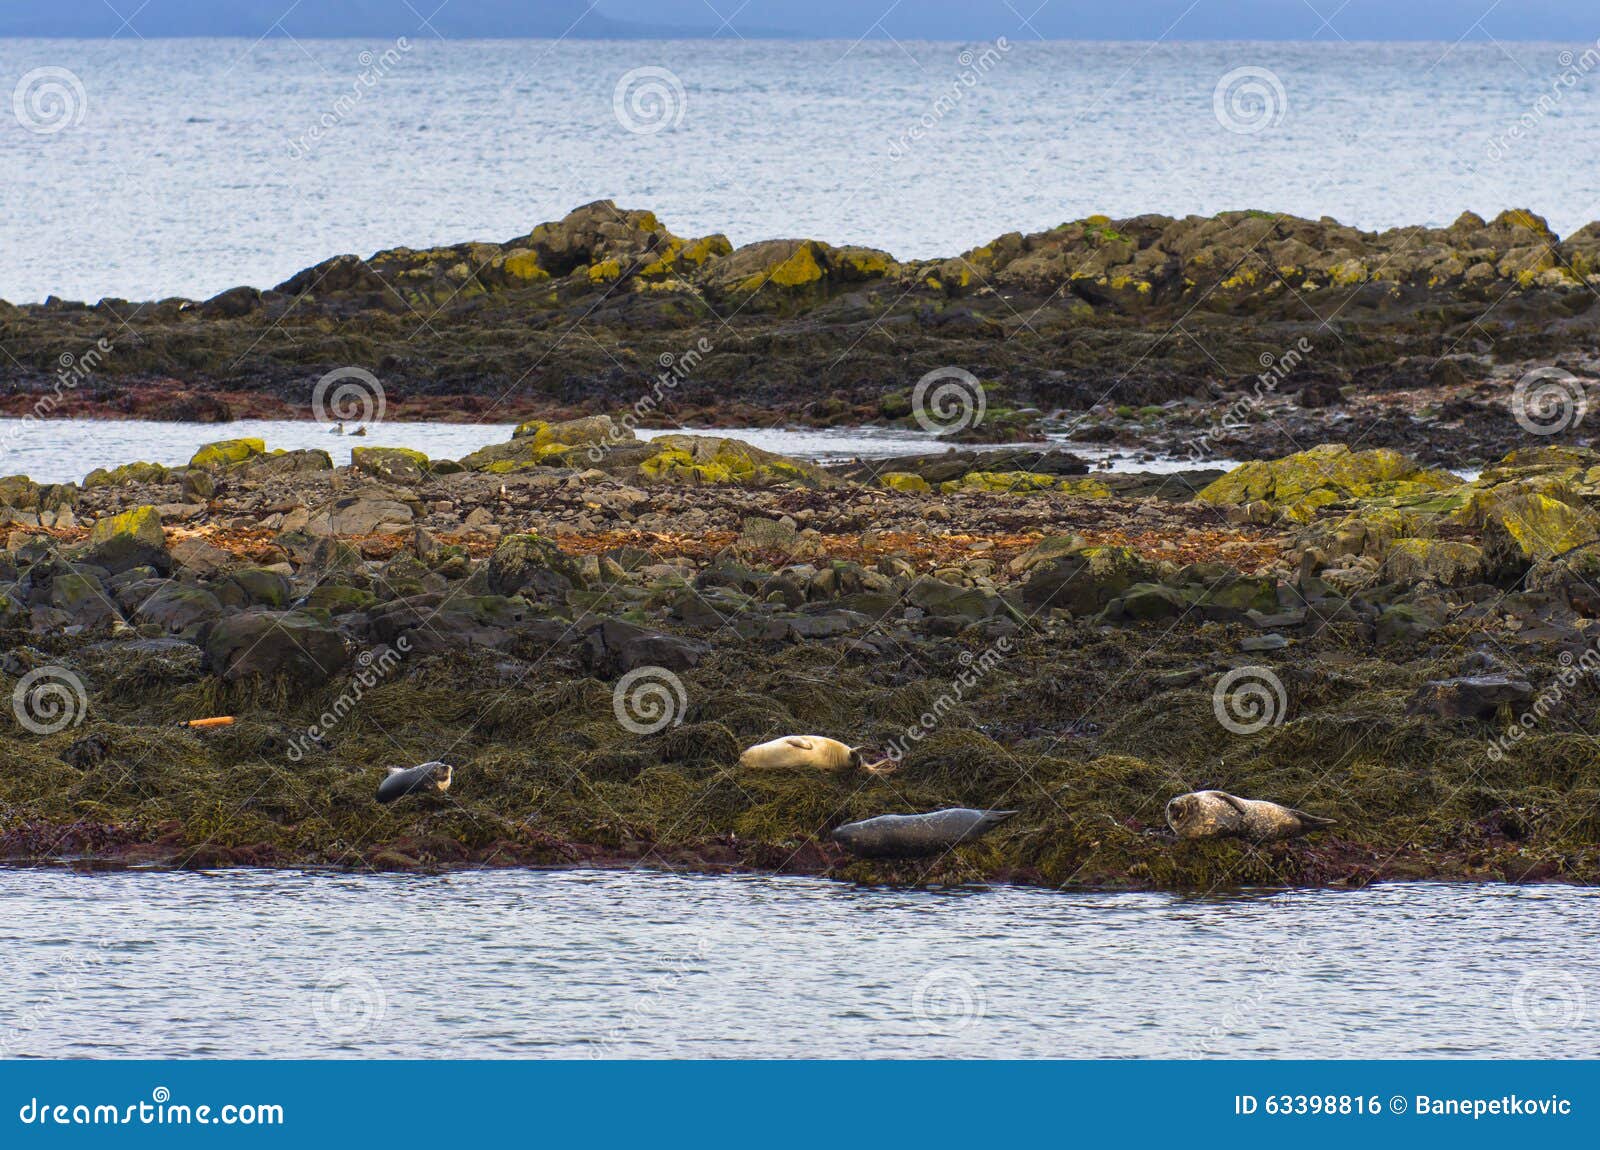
x: 131, y: 539
x: 905, y: 481
x: 1518, y: 519
x: 590, y: 429
x: 1299, y: 484
x: 1022, y: 482
x: 390, y: 464
x: 523, y: 265
x: 1443, y: 561
x: 227, y: 452
x: 711, y: 459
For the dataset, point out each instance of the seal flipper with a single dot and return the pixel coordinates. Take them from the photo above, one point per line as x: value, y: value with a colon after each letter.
x: 1311, y: 822
x: 1234, y: 801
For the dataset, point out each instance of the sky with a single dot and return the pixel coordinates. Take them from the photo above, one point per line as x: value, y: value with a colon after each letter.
x: 1446, y: 20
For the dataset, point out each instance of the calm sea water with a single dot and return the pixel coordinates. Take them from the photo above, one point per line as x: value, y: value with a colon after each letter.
x: 638, y: 964
x: 186, y: 167
x: 65, y: 450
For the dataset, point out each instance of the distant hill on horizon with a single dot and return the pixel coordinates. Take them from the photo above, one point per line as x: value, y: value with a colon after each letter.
x: 1145, y: 20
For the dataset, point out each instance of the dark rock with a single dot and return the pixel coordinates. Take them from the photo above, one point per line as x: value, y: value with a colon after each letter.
x: 1086, y: 581
x: 437, y: 623
x: 615, y: 648
x: 179, y: 609
x: 255, y: 587
x: 531, y: 565
x: 1473, y: 697
x: 1257, y: 643
x: 266, y: 644
x: 131, y: 539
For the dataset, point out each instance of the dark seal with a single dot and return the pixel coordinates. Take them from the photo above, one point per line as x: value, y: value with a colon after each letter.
x: 412, y: 780
x: 912, y: 836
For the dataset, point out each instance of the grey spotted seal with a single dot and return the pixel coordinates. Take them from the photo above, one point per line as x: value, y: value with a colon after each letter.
x: 1217, y: 814
x: 910, y: 836
x: 423, y: 777
x: 814, y: 751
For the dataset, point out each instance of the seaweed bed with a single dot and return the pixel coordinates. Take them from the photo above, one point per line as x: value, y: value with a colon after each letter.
x: 1044, y: 652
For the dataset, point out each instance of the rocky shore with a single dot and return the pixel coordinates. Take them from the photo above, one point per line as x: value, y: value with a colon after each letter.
x: 1243, y: 336
x: 590, y: 626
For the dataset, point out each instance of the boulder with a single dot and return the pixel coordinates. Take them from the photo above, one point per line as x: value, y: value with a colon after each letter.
x: 1530, y: 520
x: 949, y: 601
x: 266, y: 644
x: 227, y: 453
x: 503, y: 458
x: 615, y: 648
x: 1471, y: 697
x: 82, y: 598
x: 1298, y: 484
x: 196, y: 555
x: 533, y: 566
x: 339, y: 598
x: 591, y: 429
x: 713, y: 459
x: 131, y: 539
x: 1085, y: 581
x: 178, y: 609
x: 301, y: 462
x: 255, y: 587
x: 390, y: 464
x: 362, y: 514
x: 1442, y: 561
x: 126, y: 473
x: 18, y: 493
x: 436, y: 623
x: 1146, y: 601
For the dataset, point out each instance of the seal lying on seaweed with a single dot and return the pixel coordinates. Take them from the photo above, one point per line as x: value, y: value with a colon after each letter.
x: 1217, y: 814
x: 911, y: 836
x: 815, y: 751
x: 433, y: 776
